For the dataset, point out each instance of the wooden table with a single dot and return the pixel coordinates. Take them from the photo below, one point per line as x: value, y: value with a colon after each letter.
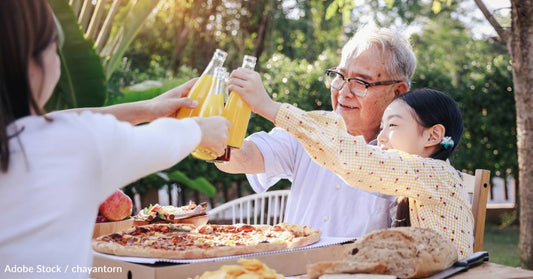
x: 486, y: 270
x: 490, y: 270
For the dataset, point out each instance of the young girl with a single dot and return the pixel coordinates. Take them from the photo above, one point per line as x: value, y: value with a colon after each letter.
x: 56, y: 169
x: 419, y: 131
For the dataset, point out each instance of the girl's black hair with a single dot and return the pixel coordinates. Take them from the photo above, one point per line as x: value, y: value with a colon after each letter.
x: 434, y: 107
x: 27, y: 27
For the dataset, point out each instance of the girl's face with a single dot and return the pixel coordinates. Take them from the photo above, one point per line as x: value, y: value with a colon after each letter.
x: 400, y: 130
x: 44, y: 79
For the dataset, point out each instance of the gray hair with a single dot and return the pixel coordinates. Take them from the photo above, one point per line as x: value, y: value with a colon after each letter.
x: 402, y: 60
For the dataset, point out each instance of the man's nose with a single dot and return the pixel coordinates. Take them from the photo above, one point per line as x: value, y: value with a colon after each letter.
x: 345, y: 90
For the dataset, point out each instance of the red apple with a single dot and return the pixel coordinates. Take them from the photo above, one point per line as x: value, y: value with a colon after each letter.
x: 116, y: 207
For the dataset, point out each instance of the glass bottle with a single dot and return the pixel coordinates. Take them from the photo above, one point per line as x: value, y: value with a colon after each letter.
x: 200, y: 89
x: 213, y: 105
x: 238, y: 112
x: 224, y: 158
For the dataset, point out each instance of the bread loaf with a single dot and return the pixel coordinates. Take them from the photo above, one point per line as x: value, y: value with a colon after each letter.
x: 405, y: 252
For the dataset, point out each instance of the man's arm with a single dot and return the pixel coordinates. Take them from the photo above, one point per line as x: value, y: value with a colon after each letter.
x: 247, y: 159
x: 164, y: 105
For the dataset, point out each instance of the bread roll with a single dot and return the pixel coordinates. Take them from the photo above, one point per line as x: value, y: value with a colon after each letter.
x: 405, y: 252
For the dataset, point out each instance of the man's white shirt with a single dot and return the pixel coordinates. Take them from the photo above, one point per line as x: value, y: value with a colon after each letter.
x: 318, y: 198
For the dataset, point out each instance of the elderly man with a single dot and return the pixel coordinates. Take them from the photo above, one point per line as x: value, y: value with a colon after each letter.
x: 382, y: 62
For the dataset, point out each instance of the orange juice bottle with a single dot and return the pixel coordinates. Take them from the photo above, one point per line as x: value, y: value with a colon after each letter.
x: 237, y: 111
x: 200, y: 89
x: 213, y: 105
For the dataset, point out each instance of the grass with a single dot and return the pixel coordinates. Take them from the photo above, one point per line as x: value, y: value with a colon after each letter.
x: 502, y: 244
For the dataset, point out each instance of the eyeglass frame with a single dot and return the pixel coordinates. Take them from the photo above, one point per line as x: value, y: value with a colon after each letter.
x: 364, y: 82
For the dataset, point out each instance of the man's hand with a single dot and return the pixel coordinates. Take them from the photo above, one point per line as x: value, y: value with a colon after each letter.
x: 248, y: 85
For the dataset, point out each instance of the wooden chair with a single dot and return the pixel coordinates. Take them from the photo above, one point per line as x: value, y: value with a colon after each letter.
x: 266, y: 208
x: 478, y: 185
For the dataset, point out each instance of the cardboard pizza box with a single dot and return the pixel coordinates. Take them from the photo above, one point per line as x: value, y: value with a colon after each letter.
x: 290, y: 263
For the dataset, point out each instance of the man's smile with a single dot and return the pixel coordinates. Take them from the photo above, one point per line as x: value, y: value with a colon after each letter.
x: 347, y: 106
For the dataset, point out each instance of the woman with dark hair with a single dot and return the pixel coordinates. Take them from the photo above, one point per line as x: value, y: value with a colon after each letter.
x: 56, y: 169
x: 419, y: 131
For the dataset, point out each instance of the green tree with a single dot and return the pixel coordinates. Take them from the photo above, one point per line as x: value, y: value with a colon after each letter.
x: 478, y: 77
x: 519, y: 44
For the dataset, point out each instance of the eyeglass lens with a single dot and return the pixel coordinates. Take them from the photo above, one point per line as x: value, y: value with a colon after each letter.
x: 336, y: 81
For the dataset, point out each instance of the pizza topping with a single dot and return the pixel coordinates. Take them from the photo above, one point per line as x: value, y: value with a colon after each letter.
x: 187, y: 238
x: 156, y: 213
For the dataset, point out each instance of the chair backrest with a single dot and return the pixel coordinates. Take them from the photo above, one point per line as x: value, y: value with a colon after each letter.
x: 266, y: 208
x: 478, y: 185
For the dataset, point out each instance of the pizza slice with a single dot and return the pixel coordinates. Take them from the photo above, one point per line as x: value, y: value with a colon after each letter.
x: 169, y: 214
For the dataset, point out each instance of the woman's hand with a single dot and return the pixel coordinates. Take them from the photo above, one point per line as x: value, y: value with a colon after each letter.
x: 215, y: 132
x: 248, y: 85
x: 164, y: 105
x: 169, y: 103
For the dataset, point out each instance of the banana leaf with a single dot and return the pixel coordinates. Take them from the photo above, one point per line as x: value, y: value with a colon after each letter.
x: 199, y: 184
x: 83, y: 81
x: 128, y: 29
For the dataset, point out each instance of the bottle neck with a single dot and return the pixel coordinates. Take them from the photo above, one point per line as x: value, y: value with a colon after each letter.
x: 217, y: 86
x: 248, y: 62
x: 248, y: 66
x: 213, y: 64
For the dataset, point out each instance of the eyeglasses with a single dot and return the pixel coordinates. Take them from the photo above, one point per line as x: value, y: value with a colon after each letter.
x: 358, y: 87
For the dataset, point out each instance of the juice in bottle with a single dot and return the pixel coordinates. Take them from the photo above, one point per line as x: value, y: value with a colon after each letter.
x: 224, y: 158
x: 198, y: 92
x: 200, y: 89
x: 237, y: 111
x: 213, y: 105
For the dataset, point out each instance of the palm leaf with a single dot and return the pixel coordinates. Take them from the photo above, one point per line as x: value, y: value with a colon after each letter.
x: 199, y: 184
x: 82, y: 82
x: 128, y: 29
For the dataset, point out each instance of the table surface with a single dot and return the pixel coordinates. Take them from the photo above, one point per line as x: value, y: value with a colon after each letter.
x: 484, y: 271
x: 492, y: 270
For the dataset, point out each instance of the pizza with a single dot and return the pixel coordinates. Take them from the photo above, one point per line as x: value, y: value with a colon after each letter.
x: 168, y: 214
x: 185, y: 241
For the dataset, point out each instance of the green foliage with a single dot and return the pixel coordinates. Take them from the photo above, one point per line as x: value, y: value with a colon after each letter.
x: 129, y: 26
x: 303, y: 39
x: 199, y: 184
x: 134, y: 93
x: 82, y: 82
x: 478, y: 76
x: 343, y: 7
x: 188, y: 32
x: 507, y: 219
x: 159, y: 179
x: 299, y: 82
x: 141, y: 186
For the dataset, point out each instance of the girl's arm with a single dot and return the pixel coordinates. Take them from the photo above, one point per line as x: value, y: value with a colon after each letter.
x: 323, y: 135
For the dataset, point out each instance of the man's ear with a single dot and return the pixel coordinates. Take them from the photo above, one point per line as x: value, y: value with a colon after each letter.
x: 435, y: 135
x: 400, y: 88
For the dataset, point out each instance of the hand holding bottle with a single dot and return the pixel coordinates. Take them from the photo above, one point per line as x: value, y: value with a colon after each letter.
x: 248, y: 85
x: 169, y: 103
x: 238, y: 112
x: 214, y: 132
